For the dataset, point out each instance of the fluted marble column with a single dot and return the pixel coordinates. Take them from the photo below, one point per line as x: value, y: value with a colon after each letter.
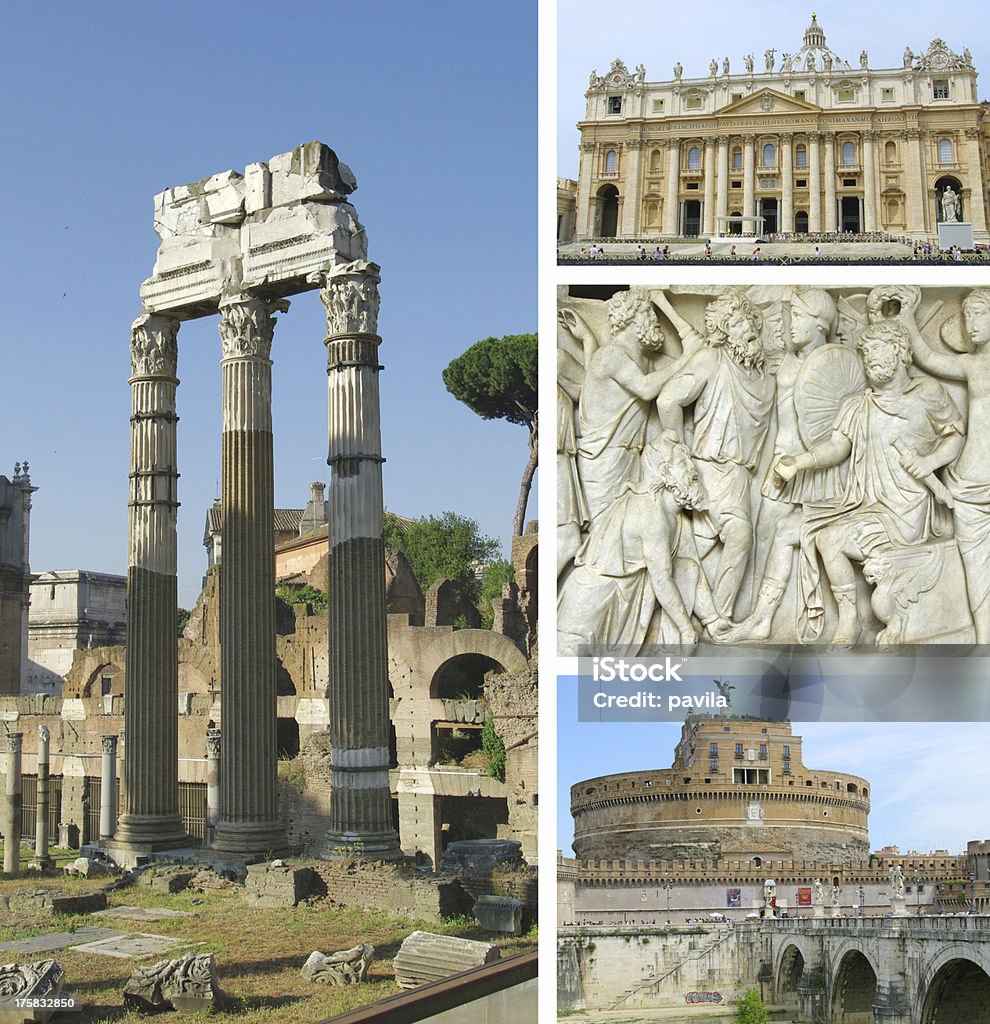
x: 42, y: 860
x: 212, y: 781
x: 151, y: 778
x: 975, y: 213
x: 108, y: 787
x: 360, y: 800
x: 708, y: 225
x: 787, y: 183
x: 249, y: 825
x: 12, y: 806
x: 584, y: 220
x: 831, y: 213
x: 749, y: 184
x: 671, y: 208
x: 629, y: 216
x: 814, y: 183
x: 871, y: 220
x: 915, y: 183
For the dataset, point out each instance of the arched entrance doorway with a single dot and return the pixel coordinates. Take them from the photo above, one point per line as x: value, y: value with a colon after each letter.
x: 960, y: 991
x: 608, y: 198
x: 801, y: 222
x: 735, y: 226
x: 854, y: 990
x: 768, y: 211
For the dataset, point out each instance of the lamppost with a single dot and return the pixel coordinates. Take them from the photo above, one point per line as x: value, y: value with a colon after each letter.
x: 862, y: 902
x: 667, y: 887
x: 918, y: 883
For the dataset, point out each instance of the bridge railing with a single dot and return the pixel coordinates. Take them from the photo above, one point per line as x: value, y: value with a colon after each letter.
x: 918, y: 926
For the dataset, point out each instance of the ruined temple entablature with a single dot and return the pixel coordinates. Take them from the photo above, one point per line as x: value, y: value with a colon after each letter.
x: 273, y: 231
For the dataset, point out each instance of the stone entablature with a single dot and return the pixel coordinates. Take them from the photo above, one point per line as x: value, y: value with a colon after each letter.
x: 810, y: 145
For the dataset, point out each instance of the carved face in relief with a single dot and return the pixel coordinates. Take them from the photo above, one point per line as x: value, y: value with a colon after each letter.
x: 813, y: 315
x: 632, y: 312
x: 885, y: 349
x: 677, y: 474
x: 976, y: 313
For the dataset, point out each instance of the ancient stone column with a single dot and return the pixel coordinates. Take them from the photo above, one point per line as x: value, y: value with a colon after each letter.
x: 42, y: 861
x: 974, y: 211
x: 915, y: 182
x: 670, y: 211
x: 360, y: 801
x: 249, y: 825
x: 150, y: 819
x: 12, y: 806
x: 722, y: 188
x: 212, y: 781
x: 749, y: 184
x: 629, y: 222
x: 831, y: 211
x: 108, y: 787
x: 584, y: 218
x: 787, y: 184
x: 814, y: 183
x: 708, y: 225
x: 871, y: 220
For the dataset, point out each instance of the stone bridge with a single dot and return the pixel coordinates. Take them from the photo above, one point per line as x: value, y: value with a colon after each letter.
x: 908, y: 970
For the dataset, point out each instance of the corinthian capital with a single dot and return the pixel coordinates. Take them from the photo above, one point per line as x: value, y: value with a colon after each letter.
x: 247, y: 325
x: 350, y: 298
x: 14, y: 741
x: 213, y: 743
x: 154, y: 352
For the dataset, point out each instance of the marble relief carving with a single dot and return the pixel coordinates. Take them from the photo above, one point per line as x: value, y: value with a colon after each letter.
x: 781, y: 464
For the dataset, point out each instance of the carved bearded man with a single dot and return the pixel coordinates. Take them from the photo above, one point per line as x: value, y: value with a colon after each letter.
x: 895, y: 435
x: 727, y: 384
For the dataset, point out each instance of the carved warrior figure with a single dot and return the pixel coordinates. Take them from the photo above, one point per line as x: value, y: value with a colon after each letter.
x: 950, y: 204
x: 805, y: 375
x: 732, y: 395
x: 895, y: 436
x: 639, y: 555
x: 968, y: 479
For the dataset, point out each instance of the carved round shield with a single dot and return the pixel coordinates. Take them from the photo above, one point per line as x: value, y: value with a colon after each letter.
x: 830, y: 375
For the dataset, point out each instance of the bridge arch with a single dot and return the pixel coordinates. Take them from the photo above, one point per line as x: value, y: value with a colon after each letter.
x: 955, y: 986
x: 854, y: 987
x: 790, y: 969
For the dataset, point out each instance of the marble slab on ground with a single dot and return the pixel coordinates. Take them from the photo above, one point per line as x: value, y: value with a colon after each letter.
x: 143, y: 913
x: 59, y: 940
x: 130, y: 944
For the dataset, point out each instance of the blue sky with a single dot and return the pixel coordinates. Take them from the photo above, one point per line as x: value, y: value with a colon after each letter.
x: 432, y: 105
x: 659, y: 35
x: 928, y: 780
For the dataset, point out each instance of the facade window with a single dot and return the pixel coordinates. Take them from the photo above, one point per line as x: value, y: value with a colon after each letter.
x: 763, y: 751
x: 769, y: 155
x: 801, y: 156
x: 736, y: 97
x: 106, y: 685
x: 751, y: 776
x: 693, y: 103
x: 945, y: 151
x: 657, y: 106
x: 737, y: 159
x: 849, y: 182
x: 940, y: 89
x: 611, y: 162
x: 887, y: 95
x: 787, y: 767
x: 713, y: 766
x: 615, y: 104
x: 801, y: 183
x: 694, y: 159
x: 799, y: 94
x: 737, y: 184
x: 848, y: 154
x: 739, y: 750
x: 787, y: 753
x: 713, y: 750
x: 847, y: 95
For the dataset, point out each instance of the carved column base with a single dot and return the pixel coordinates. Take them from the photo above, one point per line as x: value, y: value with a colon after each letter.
x: 366, y: 845
x: 244, y: 840
x: 149, y: 833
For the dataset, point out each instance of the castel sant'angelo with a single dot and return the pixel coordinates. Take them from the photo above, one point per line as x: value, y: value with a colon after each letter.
x: 737, y: 807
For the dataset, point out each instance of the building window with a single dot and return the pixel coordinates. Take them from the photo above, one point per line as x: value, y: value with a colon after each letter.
x: 887, y: 95
x: 658, y: 106
x: 611, y: 162
x: 799, y: 94
x: 763, y: 751
x: 787, y: 753
x: 694, y: 159
x: 787, y: 767
x: 713, y: 750
x: 769, y: 155
x: 739, y: 750
x: 847, y: 95
x: 693, y: 103
x: 849, y: 182
x: 615, y: 104
x: 737, y: 184
x: 106, y: 685
x: 848, y: 154
x: 801, y: 183
x: 737, y: 159
x: 751, y: 776
x: 940, y: 89
x: 801, y: 156
x: 945, y: 151
x: 713, y: 766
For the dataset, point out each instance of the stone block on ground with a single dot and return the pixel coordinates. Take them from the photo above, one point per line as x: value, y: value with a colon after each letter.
x: 424, y: 957
x: 346, y: 967
x: 40, y: 980
x: 169, y: 880
x: 277, y: 884
x: 501, y: 914
x: 188, y: 984
x: 55, y: 902
x: 87, y: 867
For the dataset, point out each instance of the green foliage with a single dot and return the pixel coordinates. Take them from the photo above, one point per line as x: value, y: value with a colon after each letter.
x: 497, y: 574
x: 494, y: 748
x: 446, y: 547
x: 393, y: 532
x: 183, y: 618
x: 751, y: 1009
x: 496, y: 378
x: 317, y: 599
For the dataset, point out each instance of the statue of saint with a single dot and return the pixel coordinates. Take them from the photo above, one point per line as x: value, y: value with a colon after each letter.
x: 768, y: 58
x: 678, y: 70
x: 748, y: 61
x: 908, y: 57
x: 713, y: 68
x: 864, y: 59
x: 725, y: 66
x: 950, y: 204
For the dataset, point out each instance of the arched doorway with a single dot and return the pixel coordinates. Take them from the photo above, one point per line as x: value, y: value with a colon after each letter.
x: 608, y: 198
x: 735, y: 226
x: 849, y: 214
x: 941, y: 186
x: 960, y: 991
x: 692, y: 218
x: 801, y: 222
x: 854, y: 990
